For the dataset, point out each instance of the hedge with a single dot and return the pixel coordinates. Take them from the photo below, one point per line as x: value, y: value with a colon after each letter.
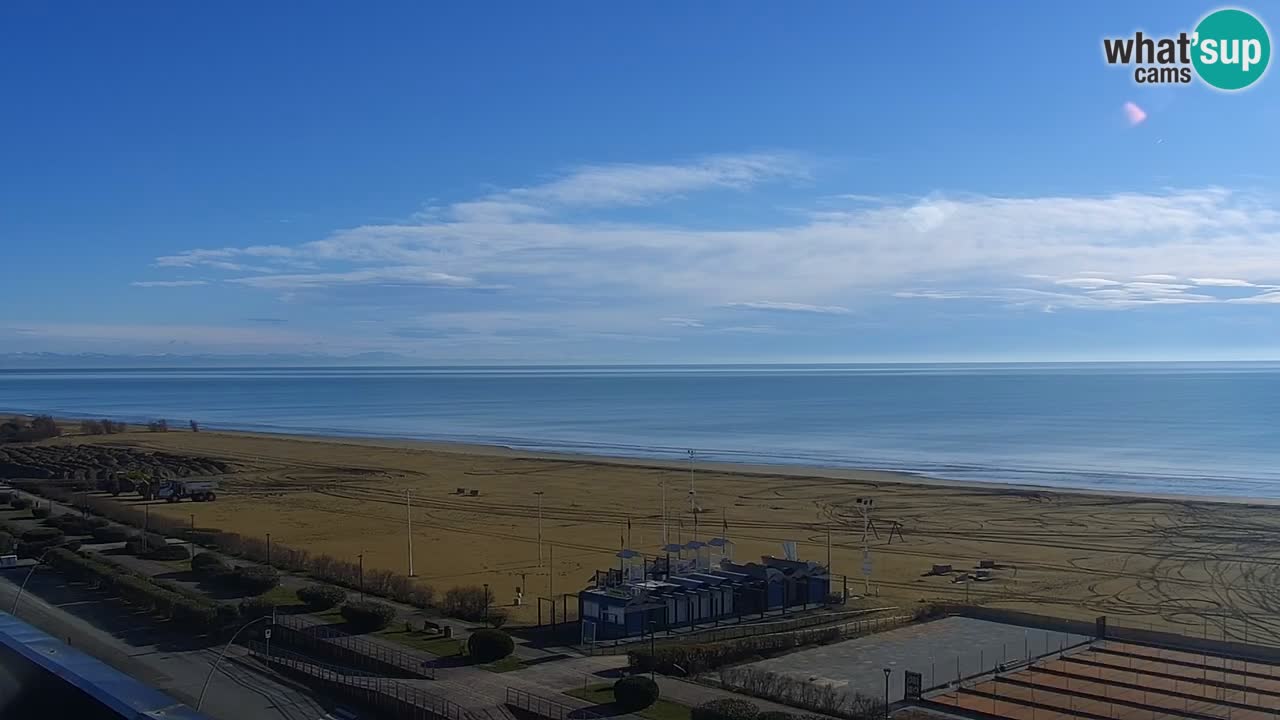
x: 109, y: 534
x: 634, y: 693
x: 40, y: 511
x: 777, y: 715
x: 144, y: 543
x: 194, y: 612
x: 368, y: 616
x: 321, y: 597
x: 169, y: 552
x: 18, y: 502
x: 323, y: 568
x: 695, y: 659
x: 42, y: 534
x: 488, y: 645
x: 6, y: 543
x: 256, y: 578
x: 209, y: 564
x: 256, y: 607
x: 74, y: 524
x: 725, y: 709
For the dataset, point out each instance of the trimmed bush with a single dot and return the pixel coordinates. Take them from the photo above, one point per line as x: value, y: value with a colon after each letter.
x: 256, y: 578
x: 368, y: 616
x: 725, y: 709
x: 71, y: 524
x: 777, y: 715
x: 6, y: 543
x: 636, y: 692
x: 256, y: 607
x: 42, y: 534
x: 40, y: 511
x: 209, y: 565
x: 489, y: 645
x: 321, y: 597
x: 144, y: 543
x: 169, y: 552
x: 110, y: 534
x: 18, y: 502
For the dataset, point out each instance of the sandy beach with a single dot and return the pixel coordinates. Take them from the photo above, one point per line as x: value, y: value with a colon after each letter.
x: 1191, y: 564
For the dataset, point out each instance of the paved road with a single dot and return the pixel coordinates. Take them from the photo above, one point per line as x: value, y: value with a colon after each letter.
x: 240, y: 690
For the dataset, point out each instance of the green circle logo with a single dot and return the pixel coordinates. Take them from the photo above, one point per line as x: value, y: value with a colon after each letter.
x: 1232, y: 49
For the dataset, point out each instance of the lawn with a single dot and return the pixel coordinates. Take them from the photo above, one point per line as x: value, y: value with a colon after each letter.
x: 506, y: 664
x: 434, y: 644
x: 662, y: 710
x: 281, y: 597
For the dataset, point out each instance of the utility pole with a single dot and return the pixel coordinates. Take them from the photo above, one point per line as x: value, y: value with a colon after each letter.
x: 408, y: 521
x: 268, y: 544
x: 666, y: 539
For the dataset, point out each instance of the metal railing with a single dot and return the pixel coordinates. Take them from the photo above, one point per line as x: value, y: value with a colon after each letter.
x: 350, y: 649
x: 544, y: 707
x: 401, y: 700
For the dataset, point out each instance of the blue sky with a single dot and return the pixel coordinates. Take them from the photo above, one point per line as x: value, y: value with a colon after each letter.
x: 592, y: 182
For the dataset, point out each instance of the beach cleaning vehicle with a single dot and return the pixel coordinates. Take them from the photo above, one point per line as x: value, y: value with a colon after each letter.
x: 197, y: 490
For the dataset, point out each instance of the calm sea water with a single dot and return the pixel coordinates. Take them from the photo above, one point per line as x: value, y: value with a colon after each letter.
x: 1202, y: 429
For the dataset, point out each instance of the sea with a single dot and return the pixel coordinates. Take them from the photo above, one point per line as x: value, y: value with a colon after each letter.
x: 1200, y: 429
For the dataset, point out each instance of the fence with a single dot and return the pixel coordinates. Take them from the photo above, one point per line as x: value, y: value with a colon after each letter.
x: 352, y: 651
x: 404, y: 702
x: 956, y: 669
x: 542, y: 707
x: 734, y: 632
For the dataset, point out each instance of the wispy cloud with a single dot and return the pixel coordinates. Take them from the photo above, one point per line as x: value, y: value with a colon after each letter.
x: 167, y: 283
x: 790, y: 307
x: 374, y: 276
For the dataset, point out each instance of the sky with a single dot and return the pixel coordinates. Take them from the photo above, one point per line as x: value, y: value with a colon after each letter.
x: 569, y: 182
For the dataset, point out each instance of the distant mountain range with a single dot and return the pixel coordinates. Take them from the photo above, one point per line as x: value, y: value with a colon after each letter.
x: 51, y: 361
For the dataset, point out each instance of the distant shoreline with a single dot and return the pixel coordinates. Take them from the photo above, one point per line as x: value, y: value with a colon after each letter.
x: 758, y: 470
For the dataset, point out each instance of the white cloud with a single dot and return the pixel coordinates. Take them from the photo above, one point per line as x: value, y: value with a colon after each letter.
x: 374, y: 276
x: 168, y: 283
x: 1263, y: 299
x: 1222, y: 282
x: 682, y: 322
x: 1009, y: 250
x: 790, y: 307
x: 1087, y: 282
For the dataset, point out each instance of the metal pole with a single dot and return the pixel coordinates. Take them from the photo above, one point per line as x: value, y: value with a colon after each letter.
x: 268, y: 548
x: 693, y: 507
x: 539, y: 494
x: 361, y: 558
x: 14, y: 610
x: 887, y: 672
x: 666, y: 539
x: 191, y: 543
x: 217, y: 662
x: 408, y: 523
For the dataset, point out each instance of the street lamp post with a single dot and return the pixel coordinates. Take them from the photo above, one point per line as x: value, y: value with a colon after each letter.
x: 887, y: 673
x: 653, y: 653
x: 14, y: 610
x: 216, y: 663
x: 539, y: 494
x: 360, y: 557
x: 486, y: 602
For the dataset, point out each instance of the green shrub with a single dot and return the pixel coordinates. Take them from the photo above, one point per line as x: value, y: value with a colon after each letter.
x: 489, y: 645
x: 71, y: 524
x: 143, y: 543
x: 256, y: 607
x: 368, y: 616
x: 40, y: 511
x: 634, y: 693
x: 725, y: 709
x: 777, y: 715
x: 256, y: 578
x: 209, y: 564
x: 6, y: 543
x: 18, y: 502
x: 321, y: 597
x: 110, y: 534
x: 42, y: 534
x: 169, y: 552
x: 6, y: 497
